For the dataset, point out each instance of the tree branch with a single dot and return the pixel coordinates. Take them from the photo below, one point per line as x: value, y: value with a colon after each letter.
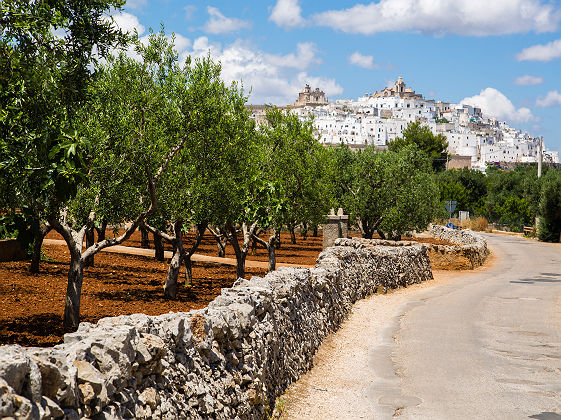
x: 156, y: 231
x: 260, y: 241
x: 168, y: 158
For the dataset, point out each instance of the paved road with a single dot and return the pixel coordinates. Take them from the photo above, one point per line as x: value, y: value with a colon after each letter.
x: 486, y: 346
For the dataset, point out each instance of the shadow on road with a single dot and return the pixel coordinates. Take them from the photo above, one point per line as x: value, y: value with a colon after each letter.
x: 546, y: 415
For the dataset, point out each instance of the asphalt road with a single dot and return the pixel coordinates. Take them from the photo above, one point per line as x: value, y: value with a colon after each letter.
x: 487, y: 346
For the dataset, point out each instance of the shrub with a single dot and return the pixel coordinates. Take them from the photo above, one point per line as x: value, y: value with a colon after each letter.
x: 549, y: 227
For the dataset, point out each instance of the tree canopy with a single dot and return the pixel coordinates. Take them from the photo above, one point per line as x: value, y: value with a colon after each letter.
x: 390, y: 192
x: 421, y: 136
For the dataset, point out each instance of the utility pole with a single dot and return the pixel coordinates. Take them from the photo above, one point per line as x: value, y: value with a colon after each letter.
x: 540, y: 157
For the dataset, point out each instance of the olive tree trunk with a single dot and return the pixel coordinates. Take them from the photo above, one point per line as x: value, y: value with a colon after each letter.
x: 71, y: 318
x: 39, y: 235
x: 158, y: 247
x: 78, y: 257
x: 270, y: 245
x: 241, y: 252
x: 90, y: 240
x: 304, y: 232
x: 291, y: 230
x: 179, y: 255
x: 221, y: 236
x: 101, y: 231
x: 201, y: 228
x: 144, y: 239
x: 170, y: 288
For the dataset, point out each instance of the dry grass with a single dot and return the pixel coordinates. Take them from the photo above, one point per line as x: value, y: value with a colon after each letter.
x: 479, y: 225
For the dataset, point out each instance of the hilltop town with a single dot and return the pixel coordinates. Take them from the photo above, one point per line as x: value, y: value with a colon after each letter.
x: 475, y: 140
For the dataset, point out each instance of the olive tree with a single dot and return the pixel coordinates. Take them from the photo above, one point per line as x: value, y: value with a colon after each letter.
x: 285, y: 188
x: 391, y: 192
x: 44, y: 80
x: 206, y: 179
x: 134, y: 140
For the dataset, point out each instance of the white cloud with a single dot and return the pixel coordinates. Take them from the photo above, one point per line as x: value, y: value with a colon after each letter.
x: 271, y: 78
x: 189, y: 11
x: 553, y: 98
x: 220, y: 24
x: 364, y: 61
x: 545, y: 52
x: 528, y: 80
x: 181, y: 45
x: 305, y: 57
x: 493, y: 103
x: 438, y: 17
x: 287, y: 14
x: 128, y: 23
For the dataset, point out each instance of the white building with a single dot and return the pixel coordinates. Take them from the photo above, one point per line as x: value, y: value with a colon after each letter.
x: 379, y: 118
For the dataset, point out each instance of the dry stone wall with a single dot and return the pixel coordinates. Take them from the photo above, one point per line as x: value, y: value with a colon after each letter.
x: 469, y: 246
x: 229, y: 360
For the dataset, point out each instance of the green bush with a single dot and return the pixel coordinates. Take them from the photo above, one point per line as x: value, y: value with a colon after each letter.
x: 17, y: 226
x: 549, y: 227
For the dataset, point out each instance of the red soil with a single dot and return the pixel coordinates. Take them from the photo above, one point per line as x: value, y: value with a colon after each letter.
x: 32, y: 305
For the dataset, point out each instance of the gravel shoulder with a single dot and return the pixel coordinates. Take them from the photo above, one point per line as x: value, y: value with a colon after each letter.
x: 337, y: 387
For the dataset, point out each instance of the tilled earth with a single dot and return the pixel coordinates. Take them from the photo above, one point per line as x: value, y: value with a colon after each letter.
x: 31, y: 306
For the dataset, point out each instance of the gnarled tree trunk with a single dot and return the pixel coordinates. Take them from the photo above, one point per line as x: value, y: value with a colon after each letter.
x: 188, y: 264
x: 291, y: 229
x: 179, y: 255
x: 270, y: 245
x: 39, y: 235
x: 144, y: 239
x: 101, y: 231
x: 304, y: 231
x: 74, y: 240
x: 158, y: 247
x: 221, y: 237
x: 170, y: 288
x: 241, y: 252
x: 90, y: 240
x: 73, y: 292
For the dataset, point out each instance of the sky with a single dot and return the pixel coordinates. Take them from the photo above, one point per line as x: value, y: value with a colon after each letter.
x: 501, y: 55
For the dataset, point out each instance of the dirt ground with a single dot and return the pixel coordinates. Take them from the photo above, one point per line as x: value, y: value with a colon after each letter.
x: 32, y: 305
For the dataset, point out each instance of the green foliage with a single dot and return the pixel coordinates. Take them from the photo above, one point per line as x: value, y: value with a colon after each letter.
x: 513, y: 196
x: 391, y: 192
x: 340, y: 162
x: 467, y: 187
x: 549, y: 227
x: 44, y: 81
x: 288, y: 186
x: 422, y: 137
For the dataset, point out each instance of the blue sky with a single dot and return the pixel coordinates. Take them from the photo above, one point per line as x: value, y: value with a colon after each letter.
x: 503, y: 55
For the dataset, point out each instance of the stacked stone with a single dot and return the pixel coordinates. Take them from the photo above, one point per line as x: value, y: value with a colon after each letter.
x: 229, y: 360
x: 469, y: 244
